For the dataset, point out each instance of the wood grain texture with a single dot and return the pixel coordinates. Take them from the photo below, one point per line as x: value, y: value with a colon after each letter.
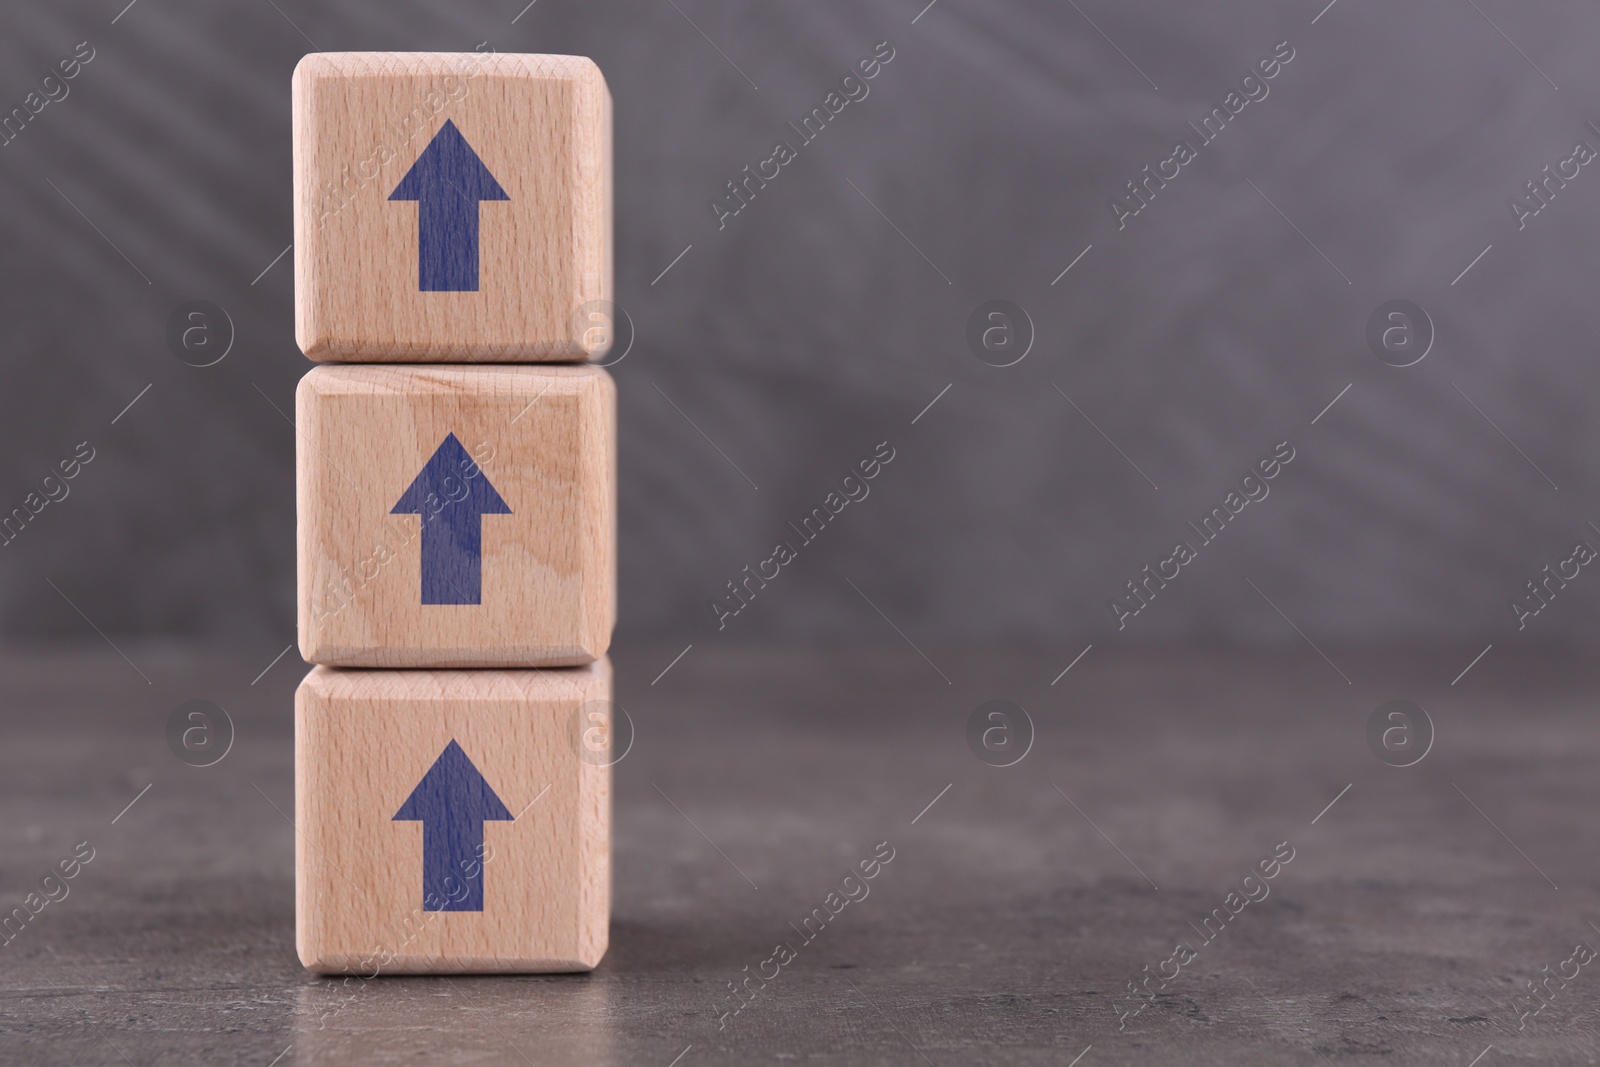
x: 545, y: 438
x: 363, y: 741
x: 542, y: 126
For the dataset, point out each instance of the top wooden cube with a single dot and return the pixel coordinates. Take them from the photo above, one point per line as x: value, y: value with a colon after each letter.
x: 451, y: 207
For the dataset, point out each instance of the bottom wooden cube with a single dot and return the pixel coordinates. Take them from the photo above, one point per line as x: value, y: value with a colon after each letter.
x: 453, y: 821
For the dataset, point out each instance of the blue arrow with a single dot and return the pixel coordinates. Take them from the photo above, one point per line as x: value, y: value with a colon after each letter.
x: 447, y: 181
x: 451, y: 493
x: 452, y: 802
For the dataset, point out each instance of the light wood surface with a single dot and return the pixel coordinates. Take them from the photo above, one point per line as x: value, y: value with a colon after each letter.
x: 541, y: 124
x: 544, y: 438
x: 364, y: 740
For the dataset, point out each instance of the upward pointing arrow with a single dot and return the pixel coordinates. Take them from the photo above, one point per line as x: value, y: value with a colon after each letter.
x: 452, y: 802
x: 447, y: 181
x: 451, y: 493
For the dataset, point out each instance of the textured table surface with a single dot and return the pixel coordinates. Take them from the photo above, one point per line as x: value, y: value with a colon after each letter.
x: 1016, y: 909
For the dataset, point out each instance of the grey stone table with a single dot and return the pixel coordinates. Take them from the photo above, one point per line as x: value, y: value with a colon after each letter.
x: 1019, y: 904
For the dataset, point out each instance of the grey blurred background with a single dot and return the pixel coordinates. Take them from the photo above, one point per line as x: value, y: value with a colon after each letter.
x: 824, y: 318
x: 772, y: 354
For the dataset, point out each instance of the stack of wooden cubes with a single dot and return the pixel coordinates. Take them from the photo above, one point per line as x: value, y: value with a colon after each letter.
x: 456, y: 465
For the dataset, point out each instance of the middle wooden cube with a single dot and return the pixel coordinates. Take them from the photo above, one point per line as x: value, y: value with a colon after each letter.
x: 456, y: 516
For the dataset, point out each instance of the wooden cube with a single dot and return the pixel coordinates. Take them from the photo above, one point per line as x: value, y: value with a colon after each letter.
x: 451, y: 207
x: 456, y: 516
x: 452, y: 821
